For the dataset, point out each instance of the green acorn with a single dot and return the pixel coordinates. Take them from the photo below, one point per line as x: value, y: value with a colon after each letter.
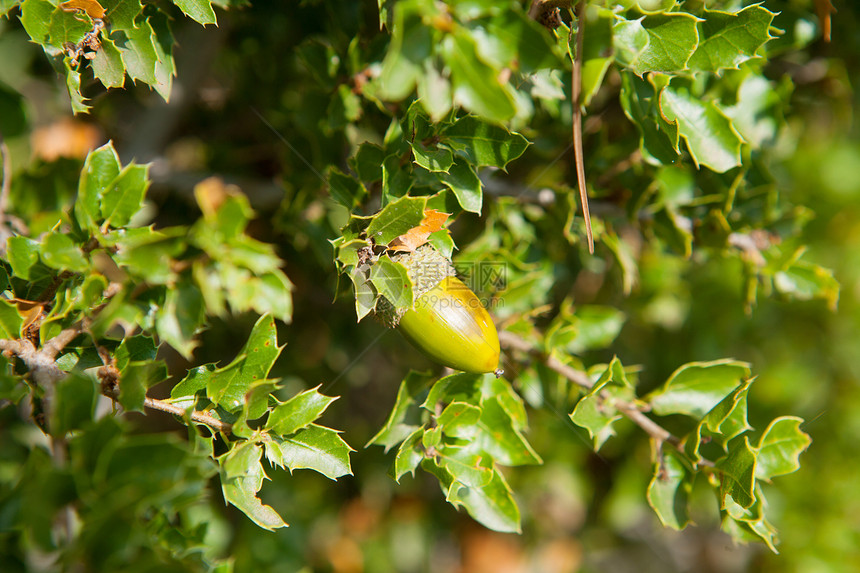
x: 447, y: 322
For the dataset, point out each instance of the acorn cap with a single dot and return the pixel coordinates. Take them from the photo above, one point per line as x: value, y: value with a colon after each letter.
x: 426, y: 268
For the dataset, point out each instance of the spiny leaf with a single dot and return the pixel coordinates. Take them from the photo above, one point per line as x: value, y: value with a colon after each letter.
x: 228, y: 387
x: 780, y: 447
x: 696, y: 387
x: 405, y: 416
x: 669, y: 491
x: 728, y: 39
x: 492, y: 505
x: 659, y: 43
x: 738, y: 471
x: 314, y: 447
x: 241, y: 478
x: 476, y: 84
x: 396, y: 219
x: 711, y: 138
x: 298, y: 412
x: 595, y: 411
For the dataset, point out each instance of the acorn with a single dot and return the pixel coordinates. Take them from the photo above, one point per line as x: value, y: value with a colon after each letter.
x: 447, y: 322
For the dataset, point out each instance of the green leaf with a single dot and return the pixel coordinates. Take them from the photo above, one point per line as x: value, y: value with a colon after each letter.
x: 411, y: 44
x: 476, y: 85
x: 465, y: 466
x: 7, y: 5
x: 439, y: 159
x: 365, y: 295
x: 345, y: 189
x: 595, y: 411
x: 391, y: 280
x: 196, y: 380
x: 659, y: 43
x: 727, y: 39
x: 596, y: 54
x: 658, y: 138
x: 181, y: 318
x: 165, y: 67
x: 139, y: 347
x: 802, y: 280
x: 695, y: 388
x: 738, y: 471
x: 409, y: 455
x: 150, y: 254
x: 463, y: 180
x: 367, y: 162
x: 199, y: 10
x: 780, y: 447
x: 107, y: 65
x: 68, y: 27
x: 124, y: 197
x: 711, y: 138
x: 227, y: 387
x: 298, y: 412
x: 36, y: 19
x: 100, y: 169
x: 749, y: 524
x: 434, y: 91
x: 135, y: 379
x: 492, y: 505
x: 669, y: 491
x: 590, y: 327
x: 396, y: 219
x: 500, y: 438
x: 405, y: 416
x: 724, y: 422
x: 459, y: 420
x: 315, y: 447
x: 136, y: 47
x: 121, y: 13
x: 58, y: 251
x: 10, y: 320
x: 271, y: 295
x: 23, y: 254
x: 484, y: 143
x: 241, y: 478
x: 73, y: 85
x: 75, y: 403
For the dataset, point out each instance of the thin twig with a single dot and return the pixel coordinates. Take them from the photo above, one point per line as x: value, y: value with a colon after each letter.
x: 576, y: 100
x: 162, y: 406
x: 633, y: 412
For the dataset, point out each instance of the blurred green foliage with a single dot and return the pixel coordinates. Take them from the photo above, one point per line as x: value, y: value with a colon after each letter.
x: 726, y: 234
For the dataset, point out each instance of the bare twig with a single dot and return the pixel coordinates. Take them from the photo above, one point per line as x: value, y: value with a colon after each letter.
x: 576, y: 103
x: 43, y: 367
x: 629, y: 409
x: 56, y: 344
x: 162, y: 406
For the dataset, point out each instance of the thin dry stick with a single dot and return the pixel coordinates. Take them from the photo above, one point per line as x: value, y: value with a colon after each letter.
x: 652, y: 428
x: 575, y: 97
